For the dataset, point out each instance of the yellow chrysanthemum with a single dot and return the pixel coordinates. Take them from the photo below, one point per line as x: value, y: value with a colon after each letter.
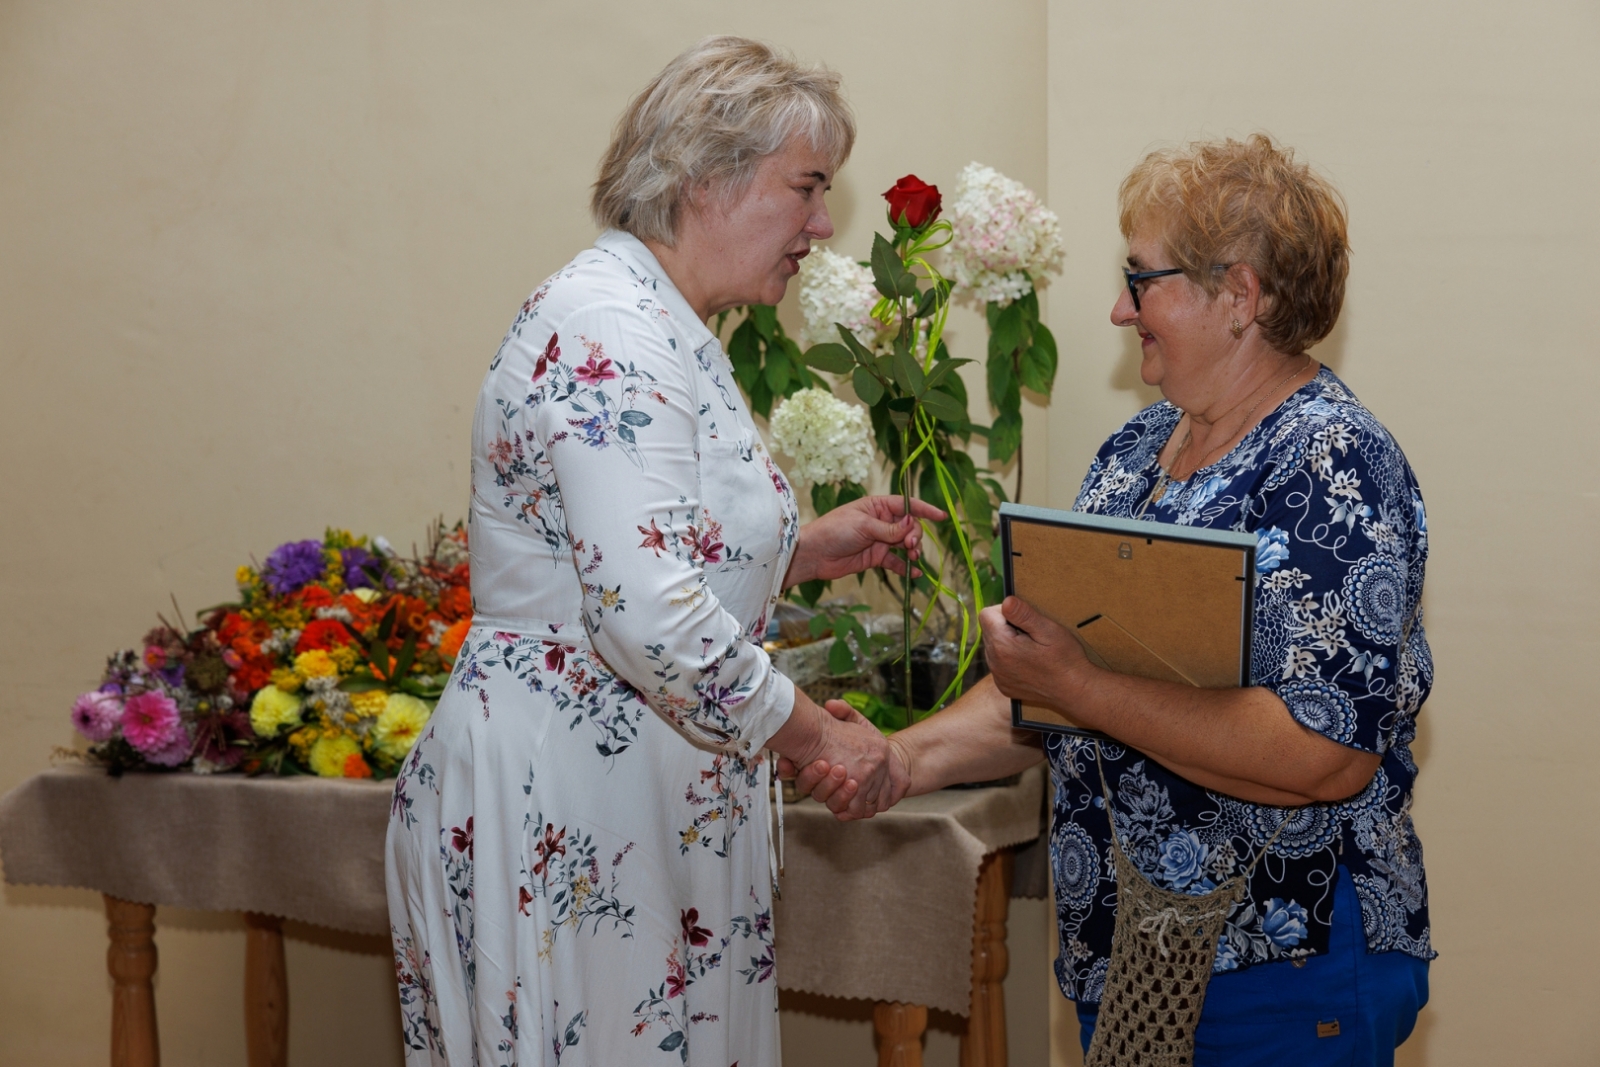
x: 315, y: 664
x: 328, y: 755
x: 244, y: 575
x: 302, y: 740
x: 368, y: 704
x: 287, y: 680
x: 344, y: 657
x: 272, y: 710
x: 400, y: 724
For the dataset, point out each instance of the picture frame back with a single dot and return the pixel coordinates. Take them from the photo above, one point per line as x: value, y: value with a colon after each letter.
x: 1156, y: 600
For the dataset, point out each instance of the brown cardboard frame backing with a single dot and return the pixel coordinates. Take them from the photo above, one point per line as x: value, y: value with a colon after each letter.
x: 1150, y: 599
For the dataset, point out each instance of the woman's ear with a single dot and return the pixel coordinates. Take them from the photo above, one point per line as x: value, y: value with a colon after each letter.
x: 1241, y: 290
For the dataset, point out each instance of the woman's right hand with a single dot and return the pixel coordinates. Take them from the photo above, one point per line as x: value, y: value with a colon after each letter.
x: 841, y: 745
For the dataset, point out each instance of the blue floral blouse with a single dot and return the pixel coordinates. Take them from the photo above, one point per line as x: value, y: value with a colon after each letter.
x: 1342, y: 543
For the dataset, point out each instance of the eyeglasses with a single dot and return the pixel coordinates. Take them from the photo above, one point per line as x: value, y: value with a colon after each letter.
x: 1135, y: 277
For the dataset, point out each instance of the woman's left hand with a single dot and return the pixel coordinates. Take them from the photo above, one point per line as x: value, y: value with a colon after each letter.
x: 858, y: 536
x: 1031, y: 657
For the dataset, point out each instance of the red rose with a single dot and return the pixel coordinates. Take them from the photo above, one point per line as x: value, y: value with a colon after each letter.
x: 914, y: 199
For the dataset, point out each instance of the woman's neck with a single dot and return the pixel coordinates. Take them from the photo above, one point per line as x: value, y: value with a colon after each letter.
x: 1207, y: 431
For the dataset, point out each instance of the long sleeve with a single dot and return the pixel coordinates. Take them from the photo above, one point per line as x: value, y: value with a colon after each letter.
x: 619, y: 410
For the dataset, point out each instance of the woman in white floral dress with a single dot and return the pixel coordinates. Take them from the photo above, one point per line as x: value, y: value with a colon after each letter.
x: 579, y: 855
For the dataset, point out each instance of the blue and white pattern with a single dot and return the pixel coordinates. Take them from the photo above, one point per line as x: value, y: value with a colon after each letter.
x: 1342, y: 543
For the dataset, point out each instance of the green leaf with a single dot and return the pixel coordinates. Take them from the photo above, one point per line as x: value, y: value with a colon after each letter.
x: 1005, y: 437
x: 761, y: 398
x: 765, y: 317
x: 863, y: 354
x: 386, y: 624
x: 777, y: 373
x: 1004, y: 391
x: 907, y: 373
x: 744, y: 352
x: 1005, y: 335
x: 867, y: 386
x: 818, y: 625
x: 979, y: 511
x: 808, y: 593
x: 849, y: 491
x: 885, y: 267
x: 1039, y: 362
x: 840, y: 659
x: 831, y: 357
x: 944, y: 369
x: 904, y: 405
x: 943, y: 406
x: 997, y: 489
x: 928, y: 304
x: 824, y: 498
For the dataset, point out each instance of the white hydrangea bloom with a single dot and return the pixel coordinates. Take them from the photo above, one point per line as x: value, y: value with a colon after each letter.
x: 829, y: 440
x: 1003, y: 235
x: 835, y: 288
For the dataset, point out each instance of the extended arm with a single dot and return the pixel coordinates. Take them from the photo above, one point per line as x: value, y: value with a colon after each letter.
x: 1242, y: 742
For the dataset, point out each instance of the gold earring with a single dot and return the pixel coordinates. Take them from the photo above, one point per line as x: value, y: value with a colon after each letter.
x: 1237, y: 328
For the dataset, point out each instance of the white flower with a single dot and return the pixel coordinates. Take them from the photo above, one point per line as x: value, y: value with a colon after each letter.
x: 836, y: 289
x: 1003, y: 236
x: 828, y: 439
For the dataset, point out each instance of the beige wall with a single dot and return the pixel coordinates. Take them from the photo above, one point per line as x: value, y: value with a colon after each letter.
x: 253, y: 259
x: 1466, y: 139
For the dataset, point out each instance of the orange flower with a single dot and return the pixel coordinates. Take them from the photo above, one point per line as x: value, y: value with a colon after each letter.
x: 455, y: 602
x: 450, y: 643
x: 356, y: 767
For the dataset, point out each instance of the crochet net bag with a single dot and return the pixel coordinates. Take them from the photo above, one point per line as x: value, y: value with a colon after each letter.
x: 1162, y: 948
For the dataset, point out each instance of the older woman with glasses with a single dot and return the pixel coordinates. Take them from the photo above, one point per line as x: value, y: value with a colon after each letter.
x: 1237, y: 258
x: 579, y: 862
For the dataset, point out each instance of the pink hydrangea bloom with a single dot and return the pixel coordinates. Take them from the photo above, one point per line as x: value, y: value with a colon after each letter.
x: 95, y: 715
x: 150, y: 722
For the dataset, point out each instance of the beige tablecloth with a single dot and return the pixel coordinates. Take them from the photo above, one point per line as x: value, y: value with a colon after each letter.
x: 880, y: 910
x: 883, y: 909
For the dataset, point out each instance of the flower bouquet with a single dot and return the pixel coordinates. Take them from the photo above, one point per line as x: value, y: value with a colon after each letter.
x: 879, y: 324
x: 329, y: 663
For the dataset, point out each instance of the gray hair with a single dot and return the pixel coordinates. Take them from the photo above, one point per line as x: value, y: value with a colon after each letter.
x: 711, y: 116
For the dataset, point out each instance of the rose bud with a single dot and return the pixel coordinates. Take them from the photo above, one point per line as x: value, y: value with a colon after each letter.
x: 914, y: 201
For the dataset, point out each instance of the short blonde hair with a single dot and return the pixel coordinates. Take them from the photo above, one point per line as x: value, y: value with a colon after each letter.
x: 712, y: 115
x: 1226, y: 202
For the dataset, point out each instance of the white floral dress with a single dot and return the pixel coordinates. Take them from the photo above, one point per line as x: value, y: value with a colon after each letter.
x: 578, y: 854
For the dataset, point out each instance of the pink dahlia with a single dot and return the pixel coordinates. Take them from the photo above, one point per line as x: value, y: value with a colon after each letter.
x: 150, y: 722
x: 95, y: 715
x: 173, y: 752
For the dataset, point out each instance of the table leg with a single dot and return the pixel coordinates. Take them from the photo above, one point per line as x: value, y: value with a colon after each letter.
x: 266, y: 992
x: 984, y: 1043
x: 900, y: 1028
x: 131, y: 959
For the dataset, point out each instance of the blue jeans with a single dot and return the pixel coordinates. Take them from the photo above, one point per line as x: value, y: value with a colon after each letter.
x: 1269, y: 1014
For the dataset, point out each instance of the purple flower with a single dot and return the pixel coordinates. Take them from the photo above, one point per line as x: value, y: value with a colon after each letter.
x: 150, y: 723
x: 95, y: 715
x: 293, y: 564
x: 354, y: 560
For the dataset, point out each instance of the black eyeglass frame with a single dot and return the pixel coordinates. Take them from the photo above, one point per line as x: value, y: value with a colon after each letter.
x: 1134, y: 277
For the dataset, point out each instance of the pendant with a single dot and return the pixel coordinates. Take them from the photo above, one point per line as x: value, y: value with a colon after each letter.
x: 1158, y: 492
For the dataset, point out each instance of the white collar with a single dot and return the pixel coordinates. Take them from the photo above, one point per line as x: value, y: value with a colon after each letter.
x: 643, y: 265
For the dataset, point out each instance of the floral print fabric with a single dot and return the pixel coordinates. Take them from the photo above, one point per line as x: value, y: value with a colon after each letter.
x: 578, y: 855
x: 1342, y: 541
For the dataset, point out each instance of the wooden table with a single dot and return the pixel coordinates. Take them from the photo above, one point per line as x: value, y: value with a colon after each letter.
x: 60, y: 828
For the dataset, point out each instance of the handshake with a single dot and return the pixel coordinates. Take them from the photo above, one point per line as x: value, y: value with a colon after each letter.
x: 841, y: 759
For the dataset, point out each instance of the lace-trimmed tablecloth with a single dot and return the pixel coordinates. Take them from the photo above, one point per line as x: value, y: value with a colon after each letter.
x: 880, y: 910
